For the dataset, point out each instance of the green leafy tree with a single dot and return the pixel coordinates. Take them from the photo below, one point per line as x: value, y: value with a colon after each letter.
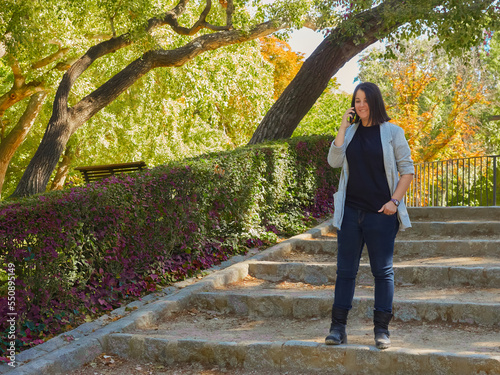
x: 439, y: 100
x: 37, y: 45
x: 129, y: 38
x: 490, y: 130
x: 354, y: 25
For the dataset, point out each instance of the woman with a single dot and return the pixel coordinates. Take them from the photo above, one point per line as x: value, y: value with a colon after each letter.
x: 369, y: 207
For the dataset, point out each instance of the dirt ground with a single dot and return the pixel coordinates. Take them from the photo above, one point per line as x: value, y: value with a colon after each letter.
x: 113, y: 365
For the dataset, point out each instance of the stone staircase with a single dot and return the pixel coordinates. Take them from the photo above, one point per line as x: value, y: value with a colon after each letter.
x: 271, y: 313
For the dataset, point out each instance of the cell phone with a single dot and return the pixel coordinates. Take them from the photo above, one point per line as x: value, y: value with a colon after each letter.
x: 351, y: 118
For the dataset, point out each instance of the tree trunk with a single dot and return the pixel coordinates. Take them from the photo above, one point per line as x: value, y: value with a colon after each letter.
x: 17, y: 135
x: 37, y: 174
x: 326, y: 60
x: 63, y: 169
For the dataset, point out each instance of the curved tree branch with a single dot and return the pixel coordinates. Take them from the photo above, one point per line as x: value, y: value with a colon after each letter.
x: 109, y: 91
x: 20, y: 89
x: 50, y: 59
x: 19, y: 79
x: 200, y: 24
x: 116, y: 43
x: 16, y: 94
x: 17, y: 135
x: 229, y: 14
x: 171, y: 19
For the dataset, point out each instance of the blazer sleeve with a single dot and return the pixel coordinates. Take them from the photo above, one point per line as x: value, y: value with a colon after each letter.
x: 336, y: 155
x: 402, y: 153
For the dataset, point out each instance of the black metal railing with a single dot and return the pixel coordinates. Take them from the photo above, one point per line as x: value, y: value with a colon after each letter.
x: 456, y: 182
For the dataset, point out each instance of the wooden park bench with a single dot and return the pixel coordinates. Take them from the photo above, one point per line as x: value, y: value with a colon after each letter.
x: 97, y: 172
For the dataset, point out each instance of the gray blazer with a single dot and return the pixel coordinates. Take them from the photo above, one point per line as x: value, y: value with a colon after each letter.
x: 397, y: 161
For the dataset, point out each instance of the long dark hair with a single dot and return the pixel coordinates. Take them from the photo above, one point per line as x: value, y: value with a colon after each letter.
x: 378, y: 115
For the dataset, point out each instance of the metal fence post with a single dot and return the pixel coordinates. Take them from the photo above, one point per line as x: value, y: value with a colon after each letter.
x: 495, y: 180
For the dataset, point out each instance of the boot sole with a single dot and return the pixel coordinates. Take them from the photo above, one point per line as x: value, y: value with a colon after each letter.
x: 333, y: 342
x: 382, y: 340
x: 382, y: 346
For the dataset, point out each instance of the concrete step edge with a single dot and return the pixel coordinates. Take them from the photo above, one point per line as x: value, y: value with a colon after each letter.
x: 325, y: 274
x: 311, y: 357
x: 453, y: 212
x: 326, y: 264
x: 406, y: 247
x: 444, y: 239
x: 313, y: 306
x: 458, y: 221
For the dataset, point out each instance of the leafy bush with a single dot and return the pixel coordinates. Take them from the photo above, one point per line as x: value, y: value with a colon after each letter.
x: 83, y: 251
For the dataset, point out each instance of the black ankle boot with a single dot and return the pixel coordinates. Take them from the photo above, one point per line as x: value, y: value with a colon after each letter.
x: 337, y: 334
x: 381, y: 321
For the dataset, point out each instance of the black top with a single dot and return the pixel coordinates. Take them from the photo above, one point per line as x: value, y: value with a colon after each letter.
x: 367, y: 187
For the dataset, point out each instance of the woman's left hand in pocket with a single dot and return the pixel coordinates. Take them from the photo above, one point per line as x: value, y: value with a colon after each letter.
x: 389, y: 208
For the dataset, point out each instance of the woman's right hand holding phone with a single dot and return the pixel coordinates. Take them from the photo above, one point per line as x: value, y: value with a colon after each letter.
x: 348, y: 117
x: 346, y: 122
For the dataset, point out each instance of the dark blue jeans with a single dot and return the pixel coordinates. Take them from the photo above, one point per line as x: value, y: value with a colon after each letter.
x: 378, y: 231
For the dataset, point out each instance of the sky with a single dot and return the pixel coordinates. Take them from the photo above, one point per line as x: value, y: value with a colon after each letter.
x: 306, y: 40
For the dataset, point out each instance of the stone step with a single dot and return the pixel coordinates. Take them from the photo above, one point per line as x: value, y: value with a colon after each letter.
x: 454, y: 213
x: 460, y: 305
x: 427, y: 273
x: 452, y: 229
x: 279, y: 345
x: 409, y: 248
x: 483, y: 262
x: 457, y: 248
